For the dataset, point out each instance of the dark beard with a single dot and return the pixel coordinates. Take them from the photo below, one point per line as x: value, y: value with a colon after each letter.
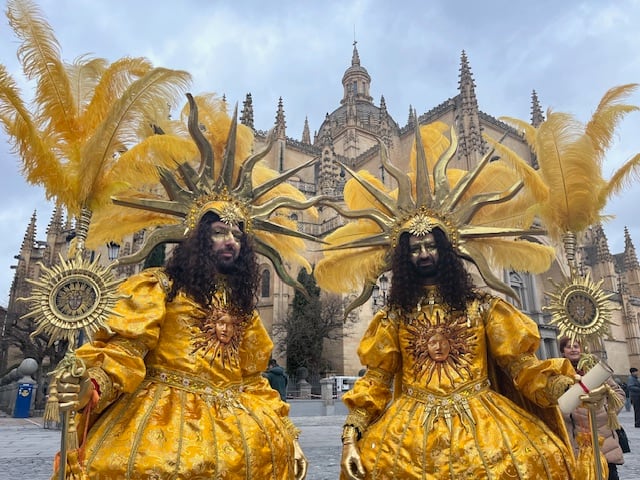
x: 426, y: 272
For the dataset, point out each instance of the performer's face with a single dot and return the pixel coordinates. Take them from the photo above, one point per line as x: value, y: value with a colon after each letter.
x: 424, y: 255
x: 572, y: 352
x: 225, y: 329
x: 226, y: 243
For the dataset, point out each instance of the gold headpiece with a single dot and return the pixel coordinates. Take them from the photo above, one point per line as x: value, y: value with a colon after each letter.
x: 227, y: 190
x: 475, y: 209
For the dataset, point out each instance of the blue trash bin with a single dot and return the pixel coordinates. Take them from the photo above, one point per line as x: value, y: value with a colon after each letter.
x: 23, y: 401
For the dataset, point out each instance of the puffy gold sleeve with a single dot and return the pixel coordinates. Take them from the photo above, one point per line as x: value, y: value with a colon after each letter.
x: 513, y: 339
x: 379, y: 351
x: 115, y: 361
x: 254, y: 358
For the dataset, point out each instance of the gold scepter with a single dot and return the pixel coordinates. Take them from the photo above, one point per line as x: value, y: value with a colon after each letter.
x: 72, y: 297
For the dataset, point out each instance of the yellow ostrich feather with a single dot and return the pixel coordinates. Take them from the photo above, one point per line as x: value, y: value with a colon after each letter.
x: 570, y: 155
x: 86, y: 113
x: 602, y: 125
x: 434, y: 142
x: 519, y: 212
x: 119, y: 127
x: 347, y: 270
x: 356, y: 196
x: 293, y: 249
x: 518, y: 255
x: 567, y: 166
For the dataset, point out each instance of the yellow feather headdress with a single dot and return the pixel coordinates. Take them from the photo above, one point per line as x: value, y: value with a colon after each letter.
x: 225, y: 188
x: 481, y: 211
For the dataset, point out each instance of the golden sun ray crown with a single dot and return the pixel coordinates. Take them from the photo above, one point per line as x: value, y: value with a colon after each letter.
x: 235, y: 200
x: 450, y: 208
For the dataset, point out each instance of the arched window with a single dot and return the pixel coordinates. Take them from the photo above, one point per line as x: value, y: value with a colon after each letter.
x: 521, y: 284
x: 265, y: 283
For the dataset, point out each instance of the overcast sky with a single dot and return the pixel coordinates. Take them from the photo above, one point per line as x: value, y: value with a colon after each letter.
x: 570, y: 52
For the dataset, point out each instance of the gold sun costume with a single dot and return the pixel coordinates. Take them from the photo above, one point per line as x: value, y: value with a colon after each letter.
x: 449, y: 395
x: 447, y: 420
x: 188, y: 407
x: 178, y: 386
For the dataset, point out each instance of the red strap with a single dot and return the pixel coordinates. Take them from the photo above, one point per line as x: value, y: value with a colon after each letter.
x: 584, y: 387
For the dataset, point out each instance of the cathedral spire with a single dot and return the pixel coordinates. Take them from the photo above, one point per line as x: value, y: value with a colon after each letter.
x: 602, y: 245
x: 469, y: 129
x: 306, y: 135
x: 280, y: 125
x: 55, y: 224
x: 537, y: 117
x: 30, y: 235
x: 630, y: 257
x: 246, y: 115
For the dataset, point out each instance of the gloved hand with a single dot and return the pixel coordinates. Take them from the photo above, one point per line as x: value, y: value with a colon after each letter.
x: 595, y: 396
x: 300, y: 462
x: 351, y: 463
x: 74, y: 392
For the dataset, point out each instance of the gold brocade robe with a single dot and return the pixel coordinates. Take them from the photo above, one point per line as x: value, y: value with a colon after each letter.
x: 447, y: 421
x: 169, y: 412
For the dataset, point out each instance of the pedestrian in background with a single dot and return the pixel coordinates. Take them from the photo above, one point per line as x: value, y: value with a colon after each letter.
x: 633, y: 384
x: 277, y: 378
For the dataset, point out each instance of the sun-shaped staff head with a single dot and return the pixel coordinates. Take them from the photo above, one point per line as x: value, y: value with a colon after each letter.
x: 227, y: 189
x: 580, y: 309
x: 486, y: 213
x: 72, y: 296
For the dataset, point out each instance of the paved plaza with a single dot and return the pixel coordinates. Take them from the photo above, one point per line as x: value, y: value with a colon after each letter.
x: 27, y: 449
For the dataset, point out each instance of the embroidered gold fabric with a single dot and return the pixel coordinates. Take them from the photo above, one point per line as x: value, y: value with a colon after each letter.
x: 181, y: 415
x: 448, y: 421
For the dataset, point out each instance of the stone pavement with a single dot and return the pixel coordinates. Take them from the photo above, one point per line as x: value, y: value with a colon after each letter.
x: 27, y: 449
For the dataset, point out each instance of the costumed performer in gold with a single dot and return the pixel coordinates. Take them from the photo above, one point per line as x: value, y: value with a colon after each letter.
x: 453, y: 388
x: 174, y: 386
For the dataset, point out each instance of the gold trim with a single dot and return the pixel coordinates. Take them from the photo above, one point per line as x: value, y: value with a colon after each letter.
x: 517, y: 364
x: 359, y: 419
x: 557, y: 385
x: 131, y: 347
x: 446, y: 406
x: 108, y: 392
x: 379, y: 375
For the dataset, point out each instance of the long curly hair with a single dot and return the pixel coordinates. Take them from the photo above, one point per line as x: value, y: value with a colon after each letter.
x: 194, y: 270
x: 454, y: 282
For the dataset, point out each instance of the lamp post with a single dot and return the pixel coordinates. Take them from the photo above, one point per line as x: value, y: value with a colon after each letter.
x: 380, y: 292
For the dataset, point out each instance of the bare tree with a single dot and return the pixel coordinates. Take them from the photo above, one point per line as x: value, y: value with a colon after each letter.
x: 309, y: 323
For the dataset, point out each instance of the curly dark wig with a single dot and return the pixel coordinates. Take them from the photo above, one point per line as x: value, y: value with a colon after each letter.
x: 454, y: 282
x: 195, y: 272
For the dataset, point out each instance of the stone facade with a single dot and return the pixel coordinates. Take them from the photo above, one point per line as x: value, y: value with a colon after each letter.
x: 349, y: 135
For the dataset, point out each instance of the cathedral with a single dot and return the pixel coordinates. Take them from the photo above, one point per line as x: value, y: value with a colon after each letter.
x: 350, y: 136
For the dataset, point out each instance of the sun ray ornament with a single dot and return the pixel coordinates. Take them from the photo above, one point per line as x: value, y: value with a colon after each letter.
x: 228, y: 190
x: 570, y: 155
x: 486, y: 213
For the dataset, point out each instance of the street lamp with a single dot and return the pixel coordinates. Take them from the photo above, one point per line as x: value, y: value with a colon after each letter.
x: 380, y: 291
x: 113, y: 249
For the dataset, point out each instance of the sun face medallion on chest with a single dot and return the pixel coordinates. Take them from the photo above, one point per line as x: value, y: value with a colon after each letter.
x: 441, y: 346
x: 219, y: 337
